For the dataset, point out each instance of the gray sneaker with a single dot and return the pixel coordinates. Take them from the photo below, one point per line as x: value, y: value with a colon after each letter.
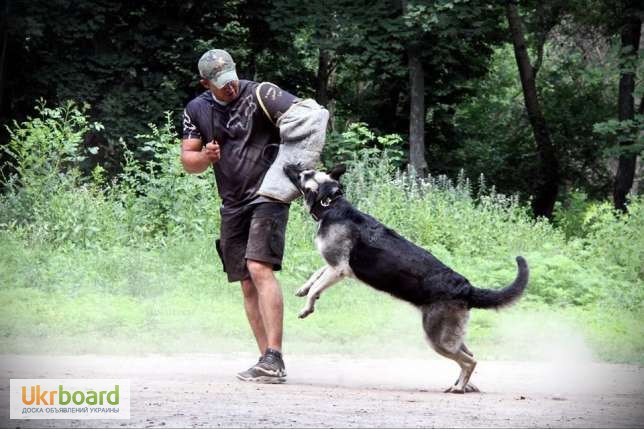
x: 269, y: 369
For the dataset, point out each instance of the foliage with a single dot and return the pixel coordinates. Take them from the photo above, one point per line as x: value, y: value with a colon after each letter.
x: 48, y: 201
x: 155, y: 202
x: 359, y: 141
x: 475, y: 116
x: 46, y: 193
x: 160, y: 198
x: 164, y: 299
x: 629, y: 130
x: 136, y: 255
x: 571, y: 218
x: 618, y: 240
x: 494, y: 135
x: 129, y: 61
x: 368, y: 50
x: 54, y: 137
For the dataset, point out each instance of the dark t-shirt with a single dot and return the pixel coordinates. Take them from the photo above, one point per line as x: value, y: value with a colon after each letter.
x: 247, y: 138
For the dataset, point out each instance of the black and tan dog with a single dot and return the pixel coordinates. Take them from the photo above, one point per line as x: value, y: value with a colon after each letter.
x: 354, y: 244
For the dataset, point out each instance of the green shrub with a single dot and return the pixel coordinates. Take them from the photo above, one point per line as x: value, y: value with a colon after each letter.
x: 159, y: 197
x: 592, y: 255
x: 135, y: 257
x: 359, y: 140
x: 49, y: 201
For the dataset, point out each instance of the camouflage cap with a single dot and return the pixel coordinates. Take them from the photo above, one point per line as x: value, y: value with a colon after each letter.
x: 217, y: 66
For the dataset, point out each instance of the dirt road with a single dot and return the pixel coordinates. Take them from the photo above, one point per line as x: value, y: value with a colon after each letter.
x: 335, y: 391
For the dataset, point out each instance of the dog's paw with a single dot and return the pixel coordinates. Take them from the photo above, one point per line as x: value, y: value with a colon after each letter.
x: 302, y: 291
x: 453, y: 389
x: 469, y: 388
x: 305, y: 312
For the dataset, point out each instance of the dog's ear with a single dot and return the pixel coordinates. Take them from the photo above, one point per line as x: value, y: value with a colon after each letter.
x: 337, y: 171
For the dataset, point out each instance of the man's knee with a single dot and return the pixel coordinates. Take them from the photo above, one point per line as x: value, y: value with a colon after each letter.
x: 259, y: 270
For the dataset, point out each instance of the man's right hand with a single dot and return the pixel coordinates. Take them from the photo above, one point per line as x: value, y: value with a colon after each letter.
x: 212, y: 151
x: 196, y: 158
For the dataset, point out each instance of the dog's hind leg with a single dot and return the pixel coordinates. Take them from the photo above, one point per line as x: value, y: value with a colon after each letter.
x: 469, y: 387
x: 467, y: 364
x: 445, y: 324
x: 314, y: 277
x: 329, y: 277
x: 466, y: 350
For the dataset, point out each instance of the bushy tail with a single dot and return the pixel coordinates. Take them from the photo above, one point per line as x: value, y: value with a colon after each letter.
x: 488, y: 298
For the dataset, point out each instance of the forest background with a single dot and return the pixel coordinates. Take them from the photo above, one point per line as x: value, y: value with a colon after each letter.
x: 479, y: 130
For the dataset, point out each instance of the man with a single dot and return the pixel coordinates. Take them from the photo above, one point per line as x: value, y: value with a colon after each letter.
x: 231, y: 126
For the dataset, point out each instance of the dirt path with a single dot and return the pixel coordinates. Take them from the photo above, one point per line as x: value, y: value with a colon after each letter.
x: 333, y: 391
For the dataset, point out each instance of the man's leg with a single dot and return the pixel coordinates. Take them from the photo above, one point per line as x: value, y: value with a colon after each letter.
x: 270, y: 368
x: 271, y: 303
x: 251, y: 305
x: 264, y: 251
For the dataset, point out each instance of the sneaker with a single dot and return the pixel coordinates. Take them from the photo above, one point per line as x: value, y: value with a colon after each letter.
x: 269, y: 369
x: 249, y: 373
x: 271, y: 364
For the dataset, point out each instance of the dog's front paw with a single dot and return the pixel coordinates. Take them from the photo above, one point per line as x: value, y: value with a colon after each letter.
x: 305, y: 312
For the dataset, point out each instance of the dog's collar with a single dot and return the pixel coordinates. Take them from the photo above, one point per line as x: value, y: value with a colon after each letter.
x: 320, y: 207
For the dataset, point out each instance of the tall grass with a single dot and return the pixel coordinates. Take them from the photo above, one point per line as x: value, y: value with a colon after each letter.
x: 132, y: 259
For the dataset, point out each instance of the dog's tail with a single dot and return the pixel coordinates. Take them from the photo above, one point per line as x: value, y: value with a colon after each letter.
x: 488, y: 298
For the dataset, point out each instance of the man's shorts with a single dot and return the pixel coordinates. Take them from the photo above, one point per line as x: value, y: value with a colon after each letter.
x: 255, y: 232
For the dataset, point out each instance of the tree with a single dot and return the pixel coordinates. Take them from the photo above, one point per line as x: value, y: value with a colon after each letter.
x: 630, y: 42
x: 419, y: 62
x: 322, y: 27
x: 416, y: 106
x: 548, y: 177
x: 620, y: 20
x: 3, y: 47
x: 130, y: 62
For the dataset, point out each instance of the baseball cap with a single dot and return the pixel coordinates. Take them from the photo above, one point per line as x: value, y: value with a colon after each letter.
x: 218, y: 66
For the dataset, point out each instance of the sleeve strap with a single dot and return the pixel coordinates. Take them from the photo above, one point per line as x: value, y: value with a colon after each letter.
x: 261, y: 102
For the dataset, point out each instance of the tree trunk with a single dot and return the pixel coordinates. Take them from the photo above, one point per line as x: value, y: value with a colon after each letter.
x: 631, y: 30
x: 416, y: 108
x: 324, y: 71
x: 547, y: 180
x: 4, y: 35
x: 639, y: 169
x: 417, y: 115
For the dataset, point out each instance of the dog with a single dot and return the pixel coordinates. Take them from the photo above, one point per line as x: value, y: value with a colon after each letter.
x: 354, y: 244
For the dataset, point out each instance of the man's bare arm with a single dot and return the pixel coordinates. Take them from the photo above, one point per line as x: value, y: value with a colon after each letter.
x: 195, y: 158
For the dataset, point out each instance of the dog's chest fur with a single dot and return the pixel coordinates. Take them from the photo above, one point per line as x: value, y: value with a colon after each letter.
x: 334, y: 243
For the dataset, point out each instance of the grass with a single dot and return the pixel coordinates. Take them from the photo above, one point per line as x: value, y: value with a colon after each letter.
x: 175, y: 299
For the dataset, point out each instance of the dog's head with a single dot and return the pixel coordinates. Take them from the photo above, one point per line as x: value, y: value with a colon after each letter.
x: 316, y: 186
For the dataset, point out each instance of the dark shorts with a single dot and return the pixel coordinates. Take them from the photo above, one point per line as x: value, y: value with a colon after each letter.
x: 256, y: 232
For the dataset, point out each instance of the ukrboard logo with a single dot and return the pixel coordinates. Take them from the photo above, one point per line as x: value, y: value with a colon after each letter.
x: 69, y: 399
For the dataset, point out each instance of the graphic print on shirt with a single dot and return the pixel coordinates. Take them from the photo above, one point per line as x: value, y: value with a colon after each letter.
x: 241, y: 116
x: 189, y: 129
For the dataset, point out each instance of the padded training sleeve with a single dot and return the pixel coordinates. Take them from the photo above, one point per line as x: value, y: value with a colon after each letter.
x: 302, y: 132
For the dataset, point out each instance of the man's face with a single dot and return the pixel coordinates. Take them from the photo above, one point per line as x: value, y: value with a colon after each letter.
x: 228, y: 93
